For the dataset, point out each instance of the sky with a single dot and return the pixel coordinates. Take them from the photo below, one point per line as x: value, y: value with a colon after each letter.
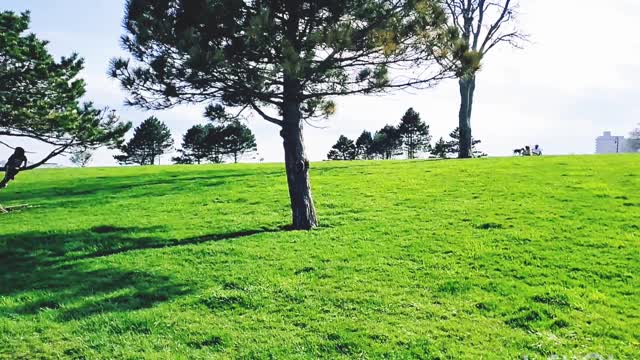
x: 576, y: 78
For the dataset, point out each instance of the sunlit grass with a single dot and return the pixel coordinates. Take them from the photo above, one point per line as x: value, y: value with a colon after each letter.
x: 501, y: 258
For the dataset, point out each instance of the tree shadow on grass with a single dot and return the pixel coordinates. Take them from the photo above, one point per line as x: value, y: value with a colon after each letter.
x: 98, y: 241
x: 151, y: 185
x: 49, y: 271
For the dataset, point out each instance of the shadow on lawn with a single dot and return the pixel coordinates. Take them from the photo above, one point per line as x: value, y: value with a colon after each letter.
x: 155, y: 185
x: 42, y: 271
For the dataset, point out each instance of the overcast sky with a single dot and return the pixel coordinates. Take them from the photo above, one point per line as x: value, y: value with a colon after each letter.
x: 577, y: 78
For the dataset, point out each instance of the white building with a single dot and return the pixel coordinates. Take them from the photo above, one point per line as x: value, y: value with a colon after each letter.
x: 607, y: 144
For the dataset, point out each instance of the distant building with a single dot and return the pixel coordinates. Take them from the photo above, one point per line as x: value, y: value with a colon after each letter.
x: 608, y: 144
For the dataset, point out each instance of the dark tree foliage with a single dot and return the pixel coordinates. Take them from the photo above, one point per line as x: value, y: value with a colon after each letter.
x: 441, y: 149
x: 150, y: 139
x: 454, y: 144
x: 481, y: 25
x: 194, y: 146
x: 282, y: 59
x: 364, y: 145
x: 212, y: 143
x: 238, y: 140
x: 344, y: 149
x: 415, y: 134
x: 39, y: 96
x: 216, y: 143
x: 387, y: 142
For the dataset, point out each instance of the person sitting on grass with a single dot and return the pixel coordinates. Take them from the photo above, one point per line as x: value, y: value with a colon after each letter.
x: 16, y: 163
x: 537, y: 150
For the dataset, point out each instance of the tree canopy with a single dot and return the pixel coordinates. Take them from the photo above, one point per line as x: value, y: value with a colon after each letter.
x: 441, y: 149
x: 364, y: 145
x: 387, y: 142
x: 282, y: 59
x: 415, y: 134
x: 238, y: 140
x: 194, y: 146
x: 39, y: 96
x: 151, y: 139
x: 215, y: 142
x: 343, y: 149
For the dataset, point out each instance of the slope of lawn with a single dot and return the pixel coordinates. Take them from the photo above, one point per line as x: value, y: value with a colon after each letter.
x: 490, y: 258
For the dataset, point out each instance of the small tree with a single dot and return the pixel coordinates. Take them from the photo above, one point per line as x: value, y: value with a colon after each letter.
x: 414, y: 133
x: 634, y: 140
x: 40, y: 97
x: 454, y: 144
x: 194, y: 146
x: 364, y: 145
x: 387, y: 142
x: 344, y: 149
x: 441, y: 149
x: 238, y: 140
x: 481, y: 26
x: 282, y: 59
x: 81, y: 157
x: 150, y: 139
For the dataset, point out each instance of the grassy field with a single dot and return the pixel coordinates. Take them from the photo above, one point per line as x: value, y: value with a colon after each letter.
x: 480, y: 259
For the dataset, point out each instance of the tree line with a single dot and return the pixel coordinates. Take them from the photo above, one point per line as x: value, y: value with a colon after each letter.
x: 410, y: 138
x: 200, y: 144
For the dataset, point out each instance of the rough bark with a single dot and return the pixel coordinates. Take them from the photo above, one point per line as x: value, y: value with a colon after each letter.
x: 467, y: 89
x: 296, y: 162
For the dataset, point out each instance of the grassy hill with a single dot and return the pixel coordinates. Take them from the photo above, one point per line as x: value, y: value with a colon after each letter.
x: 491, y: 258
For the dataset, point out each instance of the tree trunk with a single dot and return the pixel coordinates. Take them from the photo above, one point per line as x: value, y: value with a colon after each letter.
x: 467, y: 89
x: 296, y: 162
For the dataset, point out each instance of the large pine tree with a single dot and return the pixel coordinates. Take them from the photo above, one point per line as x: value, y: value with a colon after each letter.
x: 282, y: 59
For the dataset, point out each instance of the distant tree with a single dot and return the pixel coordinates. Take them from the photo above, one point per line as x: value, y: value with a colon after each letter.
x: 284, y: 60
x: 81, y: 157
x: 194, y: 146
x: 40, y: 96
x: 454, y: 144
x: 238, y: 140
x: 150, y: 139
x: 344, y: 149
x: 387, y: 142
x: 441, y: 149
x: 481, y: 26
x: 216, y: 143
x: 364, y: 145
x: 634, y: 140
x: 333, y: 155
x: 414, y: 133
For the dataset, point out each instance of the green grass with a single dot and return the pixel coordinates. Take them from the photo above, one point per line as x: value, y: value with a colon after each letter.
x: 491, y: 258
